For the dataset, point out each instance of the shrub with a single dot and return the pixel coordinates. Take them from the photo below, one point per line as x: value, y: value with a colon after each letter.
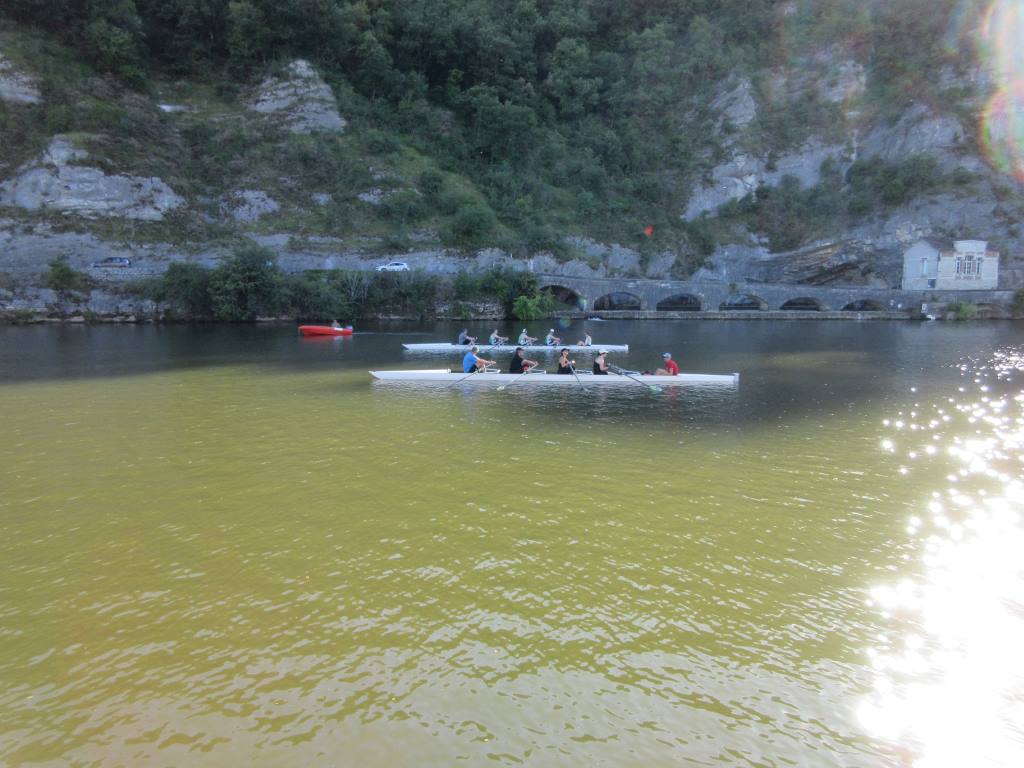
x: 534, y: 307
x: 312, y: 295
x: 962, y: 310
x: 187, y: 286
x: 63, y: 279
x: 470, y: 225
x: 403, y: 207
x: 246, y: 286
x: 431, y: 183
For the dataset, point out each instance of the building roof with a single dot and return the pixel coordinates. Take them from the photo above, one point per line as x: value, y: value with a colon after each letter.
x: 939, y: 243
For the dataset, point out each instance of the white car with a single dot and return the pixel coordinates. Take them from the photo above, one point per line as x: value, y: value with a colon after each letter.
x: 393, y: 266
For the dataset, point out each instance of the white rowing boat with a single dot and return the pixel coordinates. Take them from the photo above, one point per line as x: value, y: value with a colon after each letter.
x: 484, y: 346
x: 446, y: 375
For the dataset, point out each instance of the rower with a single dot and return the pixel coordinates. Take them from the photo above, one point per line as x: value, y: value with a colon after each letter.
x: 670, y: 369
x: 525, y: 339
x: 496, y: 340
x: 519, y: 363
x: 465, y: 338
x: 600, y: 363
x: 565, y: 365
x: 586, y: 341
x: 473, y: 363
x: 551, y: 340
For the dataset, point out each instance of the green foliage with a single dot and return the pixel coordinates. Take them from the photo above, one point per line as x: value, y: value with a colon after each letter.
x: 536, y: 306
x: 472, y: 225
x: 62, y: 278
x: 547, y: 118
x: 790, y: 216
x: 187, y: 286
x: 962, y: 310
x: 246, y: 286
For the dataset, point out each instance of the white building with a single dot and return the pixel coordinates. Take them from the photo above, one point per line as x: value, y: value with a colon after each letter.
x: 950, y: 265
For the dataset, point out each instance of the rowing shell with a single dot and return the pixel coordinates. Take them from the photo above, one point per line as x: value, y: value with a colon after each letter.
x: 513, y: 347
x: 542, y: 377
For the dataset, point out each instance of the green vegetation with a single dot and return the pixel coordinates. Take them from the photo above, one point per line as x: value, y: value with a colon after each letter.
x: 60, y: 277
x: 534, y: 307
x: 790, y: 216
x: 249, y: 285
x: 484, y: 122
x: 962, y: 310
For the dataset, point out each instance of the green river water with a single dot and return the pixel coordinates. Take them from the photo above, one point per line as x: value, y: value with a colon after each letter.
x: 228, y: 546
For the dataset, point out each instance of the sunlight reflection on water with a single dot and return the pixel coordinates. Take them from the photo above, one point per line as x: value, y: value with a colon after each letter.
x: 949, y: 675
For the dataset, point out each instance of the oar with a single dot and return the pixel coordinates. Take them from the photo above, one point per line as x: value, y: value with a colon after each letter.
x: 573, y: 369
x: 503, y: 387
x: 652, y: 387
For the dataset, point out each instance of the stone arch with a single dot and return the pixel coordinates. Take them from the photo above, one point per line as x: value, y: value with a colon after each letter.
x: 564, y: 295
x: 864, y: 305
x: 681, y: 302
x: 804, y: 304
x: 989, y: 311
x: 743, y: 301
x: 618, y: 300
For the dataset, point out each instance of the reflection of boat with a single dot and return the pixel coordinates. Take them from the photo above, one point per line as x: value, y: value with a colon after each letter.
x: 541, y: 377
x: 513, y: 347
x: 324, y: 330
x: 596, y: 320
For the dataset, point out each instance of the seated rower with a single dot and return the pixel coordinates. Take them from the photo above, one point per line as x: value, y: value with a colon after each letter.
x: 601, y: 363
x: 525, y: 339
x: 565, y: 365
x: 473, y: 363
x: 465, y: 338
x: 519, y: 363
x: 497, y: 340
x: 670, y: 369
x: 586, y: 341
x: 551, y: 340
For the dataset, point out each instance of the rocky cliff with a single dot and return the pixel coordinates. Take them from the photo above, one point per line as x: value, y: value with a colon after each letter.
x: 186, y: 174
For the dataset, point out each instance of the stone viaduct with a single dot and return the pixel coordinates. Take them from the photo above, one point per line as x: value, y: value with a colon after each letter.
x: 594, y: 294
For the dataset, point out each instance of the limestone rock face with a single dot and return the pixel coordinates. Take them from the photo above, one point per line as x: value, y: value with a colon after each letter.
x: 918, y: 130
x: 737, y: 105
x: 51, y: 182
x: 17, y: 87
x: 744, y: 173
x: 247, y: 205
x: 301, y: 98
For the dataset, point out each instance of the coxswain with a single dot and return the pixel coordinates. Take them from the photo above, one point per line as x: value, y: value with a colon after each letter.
x: 586, y: 341
x: 670, y: 369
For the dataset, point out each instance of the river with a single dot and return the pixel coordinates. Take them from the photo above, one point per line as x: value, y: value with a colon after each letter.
x: 226, y: 545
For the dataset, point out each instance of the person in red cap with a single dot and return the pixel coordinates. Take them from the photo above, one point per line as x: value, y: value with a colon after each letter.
x: 670, y: 369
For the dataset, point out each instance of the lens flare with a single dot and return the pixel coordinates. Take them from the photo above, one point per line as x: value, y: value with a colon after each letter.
x: 1002, y: 130
x: 998, y: 44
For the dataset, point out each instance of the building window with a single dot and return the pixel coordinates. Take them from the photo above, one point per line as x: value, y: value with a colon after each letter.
x: 959, y: 265
x: 924, y: 267
x: 977, y: 266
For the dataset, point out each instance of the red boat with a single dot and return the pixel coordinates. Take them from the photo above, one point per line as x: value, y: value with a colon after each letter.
x: 324, y: 330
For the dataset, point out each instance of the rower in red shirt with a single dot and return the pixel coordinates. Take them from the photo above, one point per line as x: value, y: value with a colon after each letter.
x: 670, y: 369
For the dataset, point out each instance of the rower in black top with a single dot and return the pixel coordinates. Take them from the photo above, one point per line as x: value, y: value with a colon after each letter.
x: 600, y: 364
x: 520, y: 364
x: 565, y: 365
